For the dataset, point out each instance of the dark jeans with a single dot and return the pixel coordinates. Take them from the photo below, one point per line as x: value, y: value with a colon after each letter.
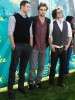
x: 62, y: 55
x: 69, y: 52
x: 21, y: 52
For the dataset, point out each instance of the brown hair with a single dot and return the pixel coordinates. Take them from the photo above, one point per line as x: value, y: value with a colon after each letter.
x: 43, y: 5
x: 23, y: 3
x: 54, y: 13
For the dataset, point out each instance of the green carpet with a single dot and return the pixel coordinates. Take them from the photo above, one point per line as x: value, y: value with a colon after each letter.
x: 57, y: 93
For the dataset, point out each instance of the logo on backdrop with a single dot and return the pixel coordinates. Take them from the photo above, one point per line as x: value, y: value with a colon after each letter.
x: 0, y: 79
x: 2, y: 60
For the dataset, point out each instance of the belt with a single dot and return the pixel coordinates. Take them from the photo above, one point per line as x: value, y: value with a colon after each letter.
x: 60, y: 49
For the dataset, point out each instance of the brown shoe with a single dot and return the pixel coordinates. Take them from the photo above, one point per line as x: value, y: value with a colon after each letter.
x: 63, y: 85
x: 51, y: 87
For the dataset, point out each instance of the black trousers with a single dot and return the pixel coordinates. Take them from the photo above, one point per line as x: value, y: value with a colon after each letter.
x: 62, y: 55
x: 21, y: 52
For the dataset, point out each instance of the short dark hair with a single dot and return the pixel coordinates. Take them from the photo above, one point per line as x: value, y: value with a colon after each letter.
x: 43, y: 5
x: 54, y: 13
x: 23, y: 3
x: 69, y: 18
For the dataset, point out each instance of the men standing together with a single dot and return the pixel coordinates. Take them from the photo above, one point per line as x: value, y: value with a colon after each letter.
x: 29, y: 39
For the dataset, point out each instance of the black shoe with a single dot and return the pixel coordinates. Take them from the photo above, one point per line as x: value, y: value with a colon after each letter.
x: 67, y: 74
x: 63, y: 85
x: 51, y: 87
x: 31, y: 86
x: 22, y: 90
x: 38, y: 85
x: 11, y: 96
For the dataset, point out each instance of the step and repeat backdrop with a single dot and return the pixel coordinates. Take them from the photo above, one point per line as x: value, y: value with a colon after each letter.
x: 7, y: 8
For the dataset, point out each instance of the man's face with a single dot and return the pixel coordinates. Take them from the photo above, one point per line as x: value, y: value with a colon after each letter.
x: 72, y: 21
x: 26, y: 8
x: 59, y: 13
x: 42, y: 11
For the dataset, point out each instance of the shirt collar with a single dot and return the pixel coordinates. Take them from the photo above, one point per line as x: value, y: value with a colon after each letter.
x: 22, y: 14
x: 58, y: 21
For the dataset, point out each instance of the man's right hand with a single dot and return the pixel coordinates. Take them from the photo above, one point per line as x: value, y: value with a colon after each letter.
x: 13, y: 46
x: 53, y: 47
x: 12, y: 41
